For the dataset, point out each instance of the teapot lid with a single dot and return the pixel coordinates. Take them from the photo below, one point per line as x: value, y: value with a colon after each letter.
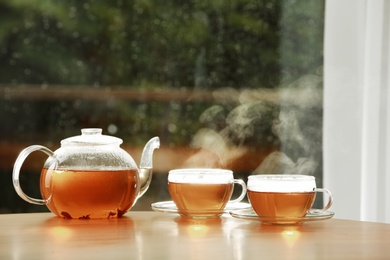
x: 91, y: 136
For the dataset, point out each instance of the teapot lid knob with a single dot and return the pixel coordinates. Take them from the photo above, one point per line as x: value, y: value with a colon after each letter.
x: 91, y: 131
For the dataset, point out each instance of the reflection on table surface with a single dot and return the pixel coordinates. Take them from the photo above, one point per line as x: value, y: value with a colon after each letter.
x: 152, y: 235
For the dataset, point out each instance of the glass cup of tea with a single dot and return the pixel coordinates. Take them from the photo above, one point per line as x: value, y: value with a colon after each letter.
x: 284, y: 196
x: 203, y: 192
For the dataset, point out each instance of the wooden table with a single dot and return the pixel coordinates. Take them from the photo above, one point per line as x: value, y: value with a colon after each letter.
x: 152, y: 235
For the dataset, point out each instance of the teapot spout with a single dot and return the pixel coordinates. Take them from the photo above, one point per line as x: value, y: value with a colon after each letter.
x: 146, y: 164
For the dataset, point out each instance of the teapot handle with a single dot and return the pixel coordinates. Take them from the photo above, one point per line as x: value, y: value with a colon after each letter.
x: 18, y: 165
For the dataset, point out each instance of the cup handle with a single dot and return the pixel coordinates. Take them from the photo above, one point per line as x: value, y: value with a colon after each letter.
x: 18, y: 165
x: 330, y: 201
x: 243, y: 191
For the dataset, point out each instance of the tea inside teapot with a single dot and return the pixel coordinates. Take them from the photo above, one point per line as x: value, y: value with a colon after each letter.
x: 90, y: 193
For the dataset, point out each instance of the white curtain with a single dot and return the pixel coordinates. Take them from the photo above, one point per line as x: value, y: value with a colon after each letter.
x: 357, y: 108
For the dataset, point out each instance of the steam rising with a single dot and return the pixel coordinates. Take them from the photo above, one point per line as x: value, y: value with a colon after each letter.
x: 288, y: 119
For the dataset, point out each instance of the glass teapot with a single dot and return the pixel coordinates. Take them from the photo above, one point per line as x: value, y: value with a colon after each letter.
x: 89, y: 176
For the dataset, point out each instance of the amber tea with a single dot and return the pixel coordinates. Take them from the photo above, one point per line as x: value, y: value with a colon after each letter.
x: 281, y: 204
x: 89, y: 194
x: 200, y: 198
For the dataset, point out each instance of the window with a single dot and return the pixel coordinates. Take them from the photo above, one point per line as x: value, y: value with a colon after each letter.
x: 241, y: 80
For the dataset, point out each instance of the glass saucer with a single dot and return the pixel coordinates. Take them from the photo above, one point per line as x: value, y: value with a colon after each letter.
x: 170, y: 207
x: 251, y: 215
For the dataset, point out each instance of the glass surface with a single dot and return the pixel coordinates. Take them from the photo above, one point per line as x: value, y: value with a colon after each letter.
x: 249, y: 214
x: 170, y: 207
x: 229, y: 84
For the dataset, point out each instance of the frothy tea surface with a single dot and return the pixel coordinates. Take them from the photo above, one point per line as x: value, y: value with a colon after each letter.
x: 89, y: 194
x: 205, y: 176
x: 281, y: 183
